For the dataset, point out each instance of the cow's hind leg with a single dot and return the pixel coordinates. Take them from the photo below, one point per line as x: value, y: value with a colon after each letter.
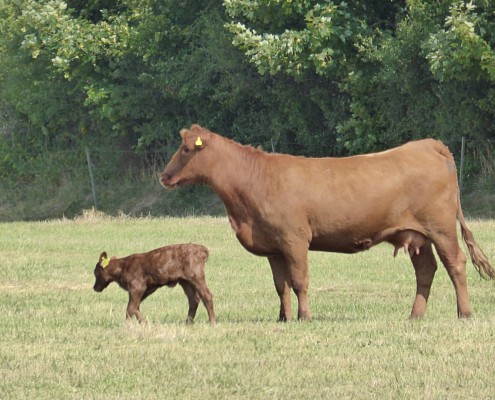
x: 454, y: 261
x: 425, y: 266
x: 281, y: 278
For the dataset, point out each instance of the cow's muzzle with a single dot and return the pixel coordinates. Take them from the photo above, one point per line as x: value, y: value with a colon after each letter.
x: 168, y: 181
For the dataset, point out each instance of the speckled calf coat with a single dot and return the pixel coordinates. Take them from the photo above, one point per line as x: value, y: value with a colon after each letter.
x: 142, y: 274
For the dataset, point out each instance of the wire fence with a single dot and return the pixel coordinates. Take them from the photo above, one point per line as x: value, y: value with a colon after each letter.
x: 474, y: 159
x: 127, y: 180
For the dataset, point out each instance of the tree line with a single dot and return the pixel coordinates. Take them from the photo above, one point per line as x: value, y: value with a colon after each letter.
x: 305, y: 77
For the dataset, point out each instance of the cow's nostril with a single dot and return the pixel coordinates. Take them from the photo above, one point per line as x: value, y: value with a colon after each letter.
x: 165, y: 179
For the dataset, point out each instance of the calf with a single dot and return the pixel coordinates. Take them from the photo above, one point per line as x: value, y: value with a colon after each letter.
x: 141, y: 274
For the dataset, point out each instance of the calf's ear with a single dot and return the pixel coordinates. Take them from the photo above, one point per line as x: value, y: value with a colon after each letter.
x: 103, y: 260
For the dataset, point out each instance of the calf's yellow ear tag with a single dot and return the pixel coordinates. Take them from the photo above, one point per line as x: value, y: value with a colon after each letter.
x: 198, y: 142
x: 104, y: 262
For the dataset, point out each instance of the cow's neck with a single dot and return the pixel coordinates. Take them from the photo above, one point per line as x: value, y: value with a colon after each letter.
x: 237, y: 179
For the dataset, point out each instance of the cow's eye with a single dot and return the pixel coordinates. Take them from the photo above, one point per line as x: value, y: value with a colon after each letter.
x: 186, y: 150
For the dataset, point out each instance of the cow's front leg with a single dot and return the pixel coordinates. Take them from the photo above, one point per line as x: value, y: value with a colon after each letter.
x: 281, y: 278
x: 297, y: 263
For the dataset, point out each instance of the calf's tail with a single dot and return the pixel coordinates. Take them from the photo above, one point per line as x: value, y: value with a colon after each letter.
x: 478, y: 258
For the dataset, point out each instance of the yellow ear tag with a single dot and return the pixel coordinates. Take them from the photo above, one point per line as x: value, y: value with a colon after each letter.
x: 198, y: 143
x: 104, y: 262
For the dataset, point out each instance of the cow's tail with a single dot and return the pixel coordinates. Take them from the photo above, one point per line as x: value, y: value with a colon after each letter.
x: 478, y: 258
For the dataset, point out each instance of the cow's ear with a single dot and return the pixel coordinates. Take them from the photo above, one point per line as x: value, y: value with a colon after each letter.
x: 103, y: 255
x: 183, y: 133
x: 198, y: 144
x: 198, y: 133
x: 197, y: 129
x: 194, y: 140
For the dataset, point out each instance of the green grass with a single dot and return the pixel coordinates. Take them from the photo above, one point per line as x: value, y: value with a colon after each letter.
x: 60, y: 340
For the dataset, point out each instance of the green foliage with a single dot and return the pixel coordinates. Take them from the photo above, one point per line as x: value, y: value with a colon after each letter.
x: 72, y: 44
x: 303, y: 35
x: 464, y: 49
x: 306, y: 35
x: 390, y: 63
x: 304, y: 77
x: 400, y: 94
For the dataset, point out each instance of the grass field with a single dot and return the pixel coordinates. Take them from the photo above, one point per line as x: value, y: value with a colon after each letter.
x: 61, y: 340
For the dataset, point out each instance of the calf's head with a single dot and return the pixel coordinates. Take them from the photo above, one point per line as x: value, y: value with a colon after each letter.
x: 102, y: 277
x: 184, y: 168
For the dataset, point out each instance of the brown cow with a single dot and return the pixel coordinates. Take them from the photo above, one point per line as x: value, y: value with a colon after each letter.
x: 142, y: 274
x: 281, y: 206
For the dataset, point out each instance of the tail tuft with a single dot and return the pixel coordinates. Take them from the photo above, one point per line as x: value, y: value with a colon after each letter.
x: 478, y: 258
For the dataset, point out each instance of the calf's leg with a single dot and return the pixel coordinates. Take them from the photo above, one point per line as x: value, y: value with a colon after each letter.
x: 147, y: 293
x: 425, y: 266
x: 199, y: 284
x: 193, y: 299
x: 281, y: 278
x: 135, y: 297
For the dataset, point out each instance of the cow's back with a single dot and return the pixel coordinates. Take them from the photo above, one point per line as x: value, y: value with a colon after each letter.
x: 367, y: 196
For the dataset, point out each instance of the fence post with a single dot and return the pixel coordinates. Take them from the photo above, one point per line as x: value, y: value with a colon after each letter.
x: 91, y: 177
x: 461, y: 167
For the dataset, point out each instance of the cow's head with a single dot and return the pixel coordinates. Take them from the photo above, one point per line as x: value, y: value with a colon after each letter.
x: 102, y: 277
x: 185, y: 168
